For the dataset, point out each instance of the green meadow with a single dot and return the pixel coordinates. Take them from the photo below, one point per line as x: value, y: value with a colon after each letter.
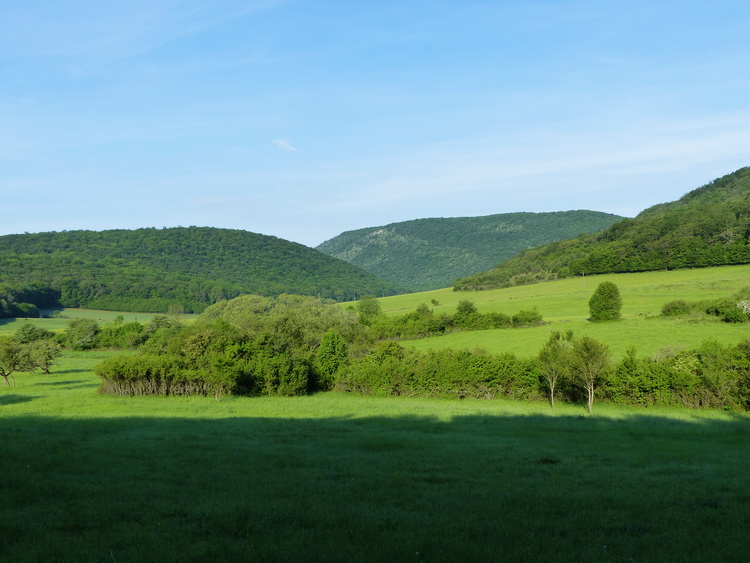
x: 564, y: 306
x: 346, y: 477
x: 58, y: 319
x: 339, y: 477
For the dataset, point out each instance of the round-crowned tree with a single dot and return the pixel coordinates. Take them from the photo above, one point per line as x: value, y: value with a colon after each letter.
x: 605, y: 304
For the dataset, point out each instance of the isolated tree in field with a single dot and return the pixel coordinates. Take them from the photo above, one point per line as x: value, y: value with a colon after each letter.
x: 555, y: 358
x: 42, y: 354
x: 589, y: 363
x: 12, y: 358
x: 605, y: 304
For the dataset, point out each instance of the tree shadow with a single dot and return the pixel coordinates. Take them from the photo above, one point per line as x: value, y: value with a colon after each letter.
x: 14, y: 399
x: 379, y: 488
x: 68, y: 384
x: 66, y: 371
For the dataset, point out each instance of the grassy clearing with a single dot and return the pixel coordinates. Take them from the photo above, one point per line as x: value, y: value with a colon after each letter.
x: 564, y: 305
x: 350, y: 478
x: 64, y: 316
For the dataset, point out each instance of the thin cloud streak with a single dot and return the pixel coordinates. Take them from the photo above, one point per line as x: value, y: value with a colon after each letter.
x: 285, y: 145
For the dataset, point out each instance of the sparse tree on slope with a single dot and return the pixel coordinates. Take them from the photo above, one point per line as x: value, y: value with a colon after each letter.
x: 555, y: 358
x: 589, y: 363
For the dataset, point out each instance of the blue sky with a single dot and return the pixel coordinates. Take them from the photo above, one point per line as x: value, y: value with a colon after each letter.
x: 306, y: 118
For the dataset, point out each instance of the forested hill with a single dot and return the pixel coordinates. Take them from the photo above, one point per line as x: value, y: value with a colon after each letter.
x: 709, y: 226
x: 432, y: 253
x: 153, y: 269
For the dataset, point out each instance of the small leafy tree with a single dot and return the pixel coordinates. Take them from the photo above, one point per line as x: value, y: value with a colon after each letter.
x: 589, y: 364
x: 555, y: 359
x: 42, y: 354
x: 30, y: 333
x: 369, y: 307
x: 331, y: 355
x: 605, y: 304
x: 12, y: 358
x: 466, y: 314
x: 80, y: 334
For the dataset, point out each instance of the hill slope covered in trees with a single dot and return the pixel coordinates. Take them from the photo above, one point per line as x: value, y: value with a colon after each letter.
x: 432, y: 253
x: 709, y: 226
x: 153, y: 269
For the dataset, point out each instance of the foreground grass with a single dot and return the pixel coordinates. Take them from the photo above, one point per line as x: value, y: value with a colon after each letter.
x: 349, y: 478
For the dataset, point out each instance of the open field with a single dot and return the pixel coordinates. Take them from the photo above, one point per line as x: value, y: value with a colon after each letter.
x: 64, y: 316
x: 338, y: 477
x: 564, y: 305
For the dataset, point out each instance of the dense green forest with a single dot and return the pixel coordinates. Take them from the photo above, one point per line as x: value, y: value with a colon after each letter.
x: 432, y: 253
x: 151, y: 270
x: 709, y: 226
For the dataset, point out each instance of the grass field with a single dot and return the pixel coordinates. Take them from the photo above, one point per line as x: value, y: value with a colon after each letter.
x: 336, y: 477
x: 62, y: 317
x: 564, y: 305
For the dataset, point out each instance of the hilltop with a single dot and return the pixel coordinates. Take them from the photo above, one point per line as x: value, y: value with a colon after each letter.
x: 709, y: 226
x: 150, y: 270
x: 432, y: 253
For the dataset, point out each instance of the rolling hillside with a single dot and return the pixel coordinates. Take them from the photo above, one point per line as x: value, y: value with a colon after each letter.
x: 432, y: 253
x: 152, y: 269
x: 709, y: 226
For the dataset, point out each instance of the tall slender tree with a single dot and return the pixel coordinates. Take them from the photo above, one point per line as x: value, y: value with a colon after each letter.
x: 555, y: 358
x: 589, y: 364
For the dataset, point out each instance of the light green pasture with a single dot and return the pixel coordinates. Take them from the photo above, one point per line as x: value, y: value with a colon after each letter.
x: 64, y: 316
x: 564, y: 305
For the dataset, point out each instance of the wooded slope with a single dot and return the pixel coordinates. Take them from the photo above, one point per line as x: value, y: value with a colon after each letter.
x: 428, y: 254
x: 709, y: 226
x: 151, y: 269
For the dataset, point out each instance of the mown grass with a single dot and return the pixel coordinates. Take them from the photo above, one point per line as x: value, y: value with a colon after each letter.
x: 336, y: 477
x: 564, y: 305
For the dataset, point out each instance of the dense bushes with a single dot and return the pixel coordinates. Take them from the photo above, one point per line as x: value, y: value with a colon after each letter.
x: 390, y: 369
x: 734, y: 309
x: 294, y: 345
x: 605, y: 304
x: 251, y: 345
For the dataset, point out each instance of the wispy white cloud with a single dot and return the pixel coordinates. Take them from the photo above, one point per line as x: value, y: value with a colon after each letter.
x: 284, y: 144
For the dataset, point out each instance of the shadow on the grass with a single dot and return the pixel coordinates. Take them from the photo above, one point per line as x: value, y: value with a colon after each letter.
x: 14, y: 399
x: 68, y: 383
x: 374, y: 489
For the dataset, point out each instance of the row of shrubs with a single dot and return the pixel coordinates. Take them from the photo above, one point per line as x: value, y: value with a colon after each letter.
x: 293, y: 346
x: 712, y: 376
x: 424, y: 322
x: 734, y: 309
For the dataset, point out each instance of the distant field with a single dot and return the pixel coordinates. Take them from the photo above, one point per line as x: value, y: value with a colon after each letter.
x: 64, y: 316
x: 564, y: 304
x: 339, y: 477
